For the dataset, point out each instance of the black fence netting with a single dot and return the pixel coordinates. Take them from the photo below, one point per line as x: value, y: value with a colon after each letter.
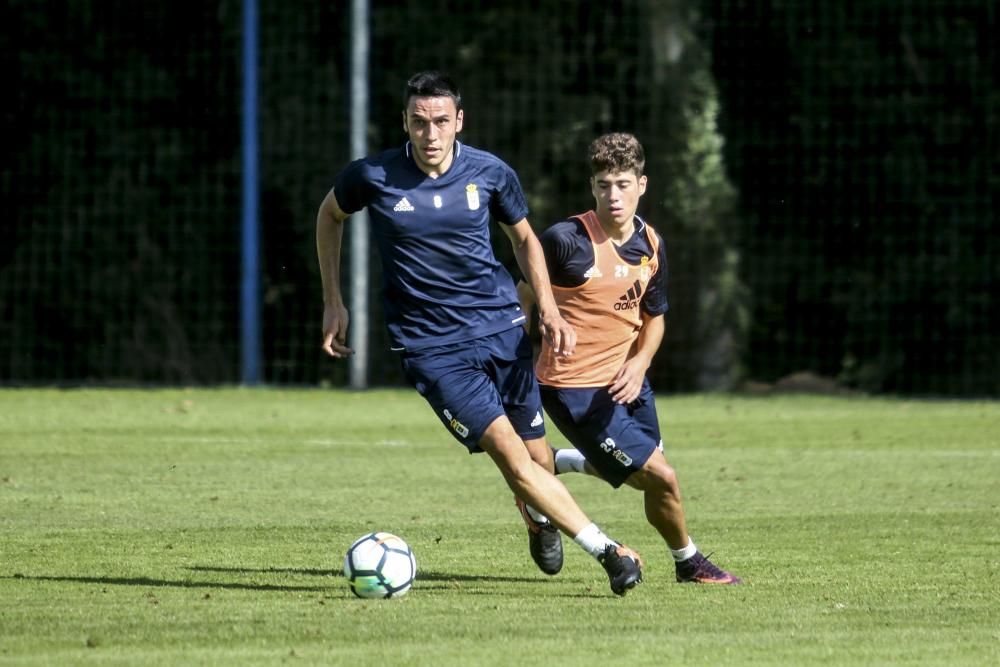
x: 825, y: 175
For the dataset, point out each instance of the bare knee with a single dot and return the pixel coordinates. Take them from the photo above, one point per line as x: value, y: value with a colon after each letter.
x: 508, y: 452
x: 668, y: 482
x: 657, y: 476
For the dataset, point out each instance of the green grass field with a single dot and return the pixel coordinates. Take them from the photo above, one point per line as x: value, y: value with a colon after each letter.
x: 198, y: 527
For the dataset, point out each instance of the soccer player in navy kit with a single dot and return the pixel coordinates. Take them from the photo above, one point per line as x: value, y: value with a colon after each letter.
x: 452, y: 309
x: 608, y: 275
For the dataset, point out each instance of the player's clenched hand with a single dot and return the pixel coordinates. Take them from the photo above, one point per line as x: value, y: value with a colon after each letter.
x: 559, y: 333
x: 627, y: 383
x: 335, y: 319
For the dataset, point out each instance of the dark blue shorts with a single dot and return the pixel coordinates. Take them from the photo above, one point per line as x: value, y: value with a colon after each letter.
x: 470, y: 384
x: 616, y: 439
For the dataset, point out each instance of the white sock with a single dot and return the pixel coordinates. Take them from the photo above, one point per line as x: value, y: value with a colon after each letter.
x: 685, y: 553
x: 593, y: 540
x: 535, y: 514
x: 569, y: 460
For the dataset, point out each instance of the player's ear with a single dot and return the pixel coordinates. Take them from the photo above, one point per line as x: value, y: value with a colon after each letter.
x: 642, y: 184
x: 405, y: 128
x: 458, y: 120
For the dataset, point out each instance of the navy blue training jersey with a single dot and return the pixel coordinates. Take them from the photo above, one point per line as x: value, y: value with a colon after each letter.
x: 441, y: 281
x: 569, y: 254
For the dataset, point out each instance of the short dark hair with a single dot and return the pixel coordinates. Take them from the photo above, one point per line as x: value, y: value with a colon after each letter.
x: 617, y: 152
x: 431, y: 83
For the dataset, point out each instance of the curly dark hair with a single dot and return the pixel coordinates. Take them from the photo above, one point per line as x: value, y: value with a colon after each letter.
x: 617, y: 152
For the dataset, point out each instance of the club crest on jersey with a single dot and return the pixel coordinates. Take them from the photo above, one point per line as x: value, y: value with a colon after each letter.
x: 472, y: 196
x: 644, y: 269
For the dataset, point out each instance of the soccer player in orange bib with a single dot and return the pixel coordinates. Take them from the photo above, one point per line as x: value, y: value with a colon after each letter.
x: 608, y: 273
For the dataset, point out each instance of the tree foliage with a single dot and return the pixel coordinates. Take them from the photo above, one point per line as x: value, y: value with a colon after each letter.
x: 863, y: 137
x: 824, y: 175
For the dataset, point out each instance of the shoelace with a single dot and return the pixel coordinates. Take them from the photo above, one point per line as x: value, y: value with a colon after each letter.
x: 704, y: 566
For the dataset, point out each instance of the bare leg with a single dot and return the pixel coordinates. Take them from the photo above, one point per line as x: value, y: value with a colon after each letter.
x: 662, y: 496
x: 665, y: 512
x: 658, y: 482
x: 541, y: 453
x: 529, y: 480
x: 537, y: 486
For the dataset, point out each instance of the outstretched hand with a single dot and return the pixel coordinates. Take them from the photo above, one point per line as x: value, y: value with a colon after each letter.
x: 335, y: 320
x: 559, y: 333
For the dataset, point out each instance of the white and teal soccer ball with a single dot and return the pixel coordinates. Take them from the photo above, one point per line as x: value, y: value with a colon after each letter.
x: 380, y: 565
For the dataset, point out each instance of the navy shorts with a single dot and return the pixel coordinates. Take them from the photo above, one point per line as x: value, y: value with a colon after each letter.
x: 470, y: 384
x: 615, y: 439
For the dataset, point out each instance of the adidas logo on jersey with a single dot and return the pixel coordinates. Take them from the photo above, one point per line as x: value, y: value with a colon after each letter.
x: 403, y: 205
x: 593, y: 272
x: 630, y: 299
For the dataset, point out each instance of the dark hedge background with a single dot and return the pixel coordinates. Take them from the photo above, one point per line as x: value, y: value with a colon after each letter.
x: 825, y: 176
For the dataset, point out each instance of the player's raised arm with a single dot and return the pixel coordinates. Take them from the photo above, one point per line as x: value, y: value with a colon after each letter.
x: 329, y: 233
x: 531, y: 259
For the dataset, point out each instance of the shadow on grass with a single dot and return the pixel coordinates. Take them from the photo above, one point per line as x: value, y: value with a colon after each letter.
x: 422, y: 575
x: 147, y: 581
x: 266, y: 570
x: 546, y: 586
x: 428, y: 580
